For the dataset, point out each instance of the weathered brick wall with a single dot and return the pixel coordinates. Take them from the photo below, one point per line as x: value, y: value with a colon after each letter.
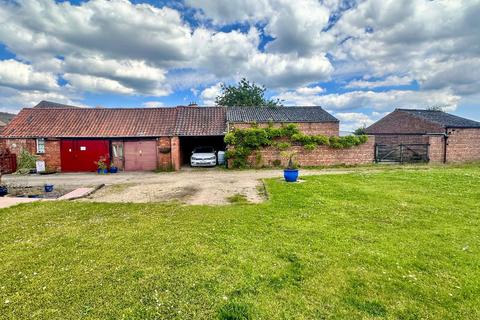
x: 315, y: 128
x: 402, y: 122
x: 436, y: 149
x: 401, y: 139
x: 52, y: 150
x: 175, y: 153
x: 463, y: 145
x: 164, y: 157
x: 320, y: 156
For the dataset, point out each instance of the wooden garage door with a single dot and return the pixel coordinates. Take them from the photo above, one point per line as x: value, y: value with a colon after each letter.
x: 82, y: 155
x: 141, y: 155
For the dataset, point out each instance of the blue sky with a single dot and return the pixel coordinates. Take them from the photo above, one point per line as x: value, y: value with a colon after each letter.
x: 357, y: 59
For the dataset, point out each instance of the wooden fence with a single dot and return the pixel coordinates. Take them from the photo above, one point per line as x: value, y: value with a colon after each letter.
x: 8, y: 162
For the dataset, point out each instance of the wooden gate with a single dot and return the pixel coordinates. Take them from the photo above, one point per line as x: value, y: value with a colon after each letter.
x: 402, y: 153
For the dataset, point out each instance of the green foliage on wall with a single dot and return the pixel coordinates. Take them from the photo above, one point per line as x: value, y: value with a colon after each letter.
x: 245, y: 141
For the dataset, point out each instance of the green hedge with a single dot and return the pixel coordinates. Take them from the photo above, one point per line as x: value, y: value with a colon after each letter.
x: 245, y: 141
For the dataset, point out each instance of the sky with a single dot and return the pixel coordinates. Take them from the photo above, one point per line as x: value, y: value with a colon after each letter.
x: 357, y: 59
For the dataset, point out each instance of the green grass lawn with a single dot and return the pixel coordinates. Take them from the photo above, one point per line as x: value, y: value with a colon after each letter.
x: 398, y: 245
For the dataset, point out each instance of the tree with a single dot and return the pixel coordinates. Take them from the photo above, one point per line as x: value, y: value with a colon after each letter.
x: 435, y: 108
x: 246, y: 94
x: 360, y: 131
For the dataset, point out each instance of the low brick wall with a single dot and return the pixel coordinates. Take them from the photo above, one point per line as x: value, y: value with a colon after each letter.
x: 320, y: 156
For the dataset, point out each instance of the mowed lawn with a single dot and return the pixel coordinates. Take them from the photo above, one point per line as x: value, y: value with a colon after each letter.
x: 398, y: 244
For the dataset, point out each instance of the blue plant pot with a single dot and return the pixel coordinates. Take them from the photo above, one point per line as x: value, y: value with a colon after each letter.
x: 113, y: 169
x: 3, y: 191
x: 105, y: 171
x: 48, y: 187
x: 99, y: 171
x: 290, y: 175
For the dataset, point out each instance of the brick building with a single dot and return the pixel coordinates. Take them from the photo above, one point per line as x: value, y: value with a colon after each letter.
x: 71, y: 139
x: 449, y: 138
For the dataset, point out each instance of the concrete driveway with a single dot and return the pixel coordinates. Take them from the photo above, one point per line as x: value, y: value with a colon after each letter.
x: 192, y: 186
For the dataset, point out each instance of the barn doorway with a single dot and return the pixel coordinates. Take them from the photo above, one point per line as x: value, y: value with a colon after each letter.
x: 140, y: 155
x: 187, y: 144
x: 82, y: 155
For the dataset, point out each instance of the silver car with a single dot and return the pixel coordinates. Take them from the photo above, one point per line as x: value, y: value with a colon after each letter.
x: 203, y: 157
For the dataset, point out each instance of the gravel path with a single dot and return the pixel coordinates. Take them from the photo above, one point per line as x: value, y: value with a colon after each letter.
x: 192, y: 186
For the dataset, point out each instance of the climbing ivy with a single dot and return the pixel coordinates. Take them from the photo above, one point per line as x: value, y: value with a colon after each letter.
x: 246, y: 141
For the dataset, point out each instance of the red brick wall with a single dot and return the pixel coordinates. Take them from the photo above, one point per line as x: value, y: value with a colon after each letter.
x: 401, y: 139
x: 323, y: 128
x: 436, y: 149
x: 320, y: 156
x: 402, y: 122
x: 51, y: 155
x: 175, y: 153
x: 164, y: 159
x: 463, y: 145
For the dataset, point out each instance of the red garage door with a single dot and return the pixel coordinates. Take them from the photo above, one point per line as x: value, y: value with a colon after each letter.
x: 140, y: 155
x: 82, y: 155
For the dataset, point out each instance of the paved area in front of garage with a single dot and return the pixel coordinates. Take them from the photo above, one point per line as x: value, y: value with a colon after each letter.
x: 190, y: 185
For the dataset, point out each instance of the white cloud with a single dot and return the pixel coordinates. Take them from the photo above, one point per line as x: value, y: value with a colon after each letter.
x: 96, y: 84
x: 19, y: 75
x: 384, y: 38
x: 152, y: 104
x: 224, y: 12
x: 387, y: 82
x: 209, y: 94
x: 350, y: 121
x: 309, y: 90
x: 280, y: 70
x: 133, y: 74
x: 385, y: 100
x: 11, y: 100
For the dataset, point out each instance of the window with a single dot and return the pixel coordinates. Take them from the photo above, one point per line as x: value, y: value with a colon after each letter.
x: 118, y: 150
x: 41, y: 145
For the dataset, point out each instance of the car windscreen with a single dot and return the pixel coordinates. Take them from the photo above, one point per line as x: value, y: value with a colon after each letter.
x: 203, y: 150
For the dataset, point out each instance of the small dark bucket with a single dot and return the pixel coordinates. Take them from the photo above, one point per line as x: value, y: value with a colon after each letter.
x: 48, y: 187
x: 3, y: 191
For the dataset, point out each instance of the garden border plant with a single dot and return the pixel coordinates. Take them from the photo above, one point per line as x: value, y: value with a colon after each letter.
x: 246, y: 141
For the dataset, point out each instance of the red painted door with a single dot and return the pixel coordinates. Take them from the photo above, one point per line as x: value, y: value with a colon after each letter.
x: 82, y: 155
x: 140, y: 155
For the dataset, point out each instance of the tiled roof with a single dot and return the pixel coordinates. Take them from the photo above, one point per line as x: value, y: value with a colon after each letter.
x: 445, y: 119
x: 83, y: 122
x: 116, y: 122
x: 280, y: 114
x: 200, y: 121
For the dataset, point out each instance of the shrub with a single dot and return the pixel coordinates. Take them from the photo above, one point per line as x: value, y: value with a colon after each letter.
x: 277, y: 162
x: 283, y: 145
x: 26, y: 162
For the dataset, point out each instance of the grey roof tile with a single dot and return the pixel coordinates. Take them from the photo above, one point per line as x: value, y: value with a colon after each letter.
x: 279, y: 114
x: 445, y: 119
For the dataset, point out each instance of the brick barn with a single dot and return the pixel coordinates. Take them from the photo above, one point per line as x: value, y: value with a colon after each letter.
x: 72, y: 139
x: 446, y: 138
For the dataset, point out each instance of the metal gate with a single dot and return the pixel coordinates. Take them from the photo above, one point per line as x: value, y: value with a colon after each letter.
x: 402, y: 153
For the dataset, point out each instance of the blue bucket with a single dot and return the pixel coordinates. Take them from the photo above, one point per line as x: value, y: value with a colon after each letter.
x: 290, y: 175
x: 3, y: 191
x: 48, y: 187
